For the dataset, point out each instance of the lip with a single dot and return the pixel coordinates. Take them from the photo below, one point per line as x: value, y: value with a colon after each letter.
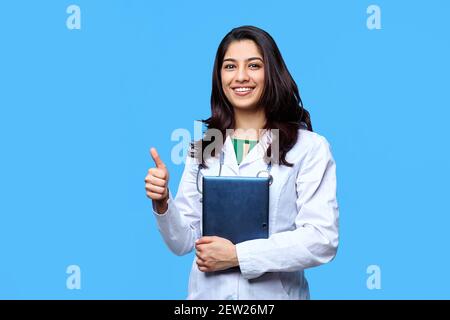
x: 244, y: 93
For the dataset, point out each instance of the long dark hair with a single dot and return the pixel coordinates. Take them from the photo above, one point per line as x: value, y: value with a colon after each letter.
x: 280, y: 97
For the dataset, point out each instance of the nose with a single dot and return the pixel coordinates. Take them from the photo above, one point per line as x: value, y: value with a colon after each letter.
x: 242, y: 75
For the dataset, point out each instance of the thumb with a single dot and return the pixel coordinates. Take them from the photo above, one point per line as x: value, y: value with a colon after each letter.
x: 157, y: 159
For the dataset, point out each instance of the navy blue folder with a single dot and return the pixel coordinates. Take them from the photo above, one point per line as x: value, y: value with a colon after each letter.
x: 236, y: 208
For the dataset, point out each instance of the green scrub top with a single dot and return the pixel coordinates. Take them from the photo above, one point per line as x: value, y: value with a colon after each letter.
x: 238, y: 145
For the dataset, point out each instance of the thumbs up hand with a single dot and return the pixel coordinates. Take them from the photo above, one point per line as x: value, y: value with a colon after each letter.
x: 156, y: 183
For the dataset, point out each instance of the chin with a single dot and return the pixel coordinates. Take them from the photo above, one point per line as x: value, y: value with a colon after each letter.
x: 249, y: 105
x: 245, y: 107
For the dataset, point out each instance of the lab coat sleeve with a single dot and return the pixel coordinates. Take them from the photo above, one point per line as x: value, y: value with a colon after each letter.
x: 314, y: 241
x: 180, y: 224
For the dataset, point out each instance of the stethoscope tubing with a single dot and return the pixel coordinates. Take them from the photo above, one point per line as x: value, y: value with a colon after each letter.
x: 222, y: 156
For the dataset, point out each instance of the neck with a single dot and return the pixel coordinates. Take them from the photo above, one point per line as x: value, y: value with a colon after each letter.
x: 249, y: 119
x: 248, y: 123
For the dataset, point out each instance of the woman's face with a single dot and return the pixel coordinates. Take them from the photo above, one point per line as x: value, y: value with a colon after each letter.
x: 242, y: 74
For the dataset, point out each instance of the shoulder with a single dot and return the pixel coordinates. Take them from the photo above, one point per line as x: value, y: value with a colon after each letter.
x: 309, y: 141
x: 309, y: 144
x: 307, y: 137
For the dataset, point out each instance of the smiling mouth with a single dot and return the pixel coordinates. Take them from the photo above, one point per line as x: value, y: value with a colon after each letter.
x: 243, y: 91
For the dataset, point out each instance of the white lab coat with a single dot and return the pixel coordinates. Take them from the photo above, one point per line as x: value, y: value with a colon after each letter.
x: 303, y: 222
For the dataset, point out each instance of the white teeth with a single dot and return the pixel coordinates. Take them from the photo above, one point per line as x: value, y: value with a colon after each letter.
x: 242, y: 89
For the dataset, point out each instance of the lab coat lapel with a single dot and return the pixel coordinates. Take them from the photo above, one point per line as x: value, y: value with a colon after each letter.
x: 259, y: 150
x: 230, y: 156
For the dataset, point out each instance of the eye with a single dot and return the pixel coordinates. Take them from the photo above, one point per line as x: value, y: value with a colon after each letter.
x: 254, y: 66
x: 228, y: 66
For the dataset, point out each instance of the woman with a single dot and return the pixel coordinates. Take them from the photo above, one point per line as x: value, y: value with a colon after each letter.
x: 253, y: 91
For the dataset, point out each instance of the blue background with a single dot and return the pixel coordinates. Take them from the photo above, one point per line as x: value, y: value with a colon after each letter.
x: 79, y: 110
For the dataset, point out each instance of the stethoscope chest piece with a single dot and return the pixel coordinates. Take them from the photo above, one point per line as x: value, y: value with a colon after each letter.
x: 265, y: 173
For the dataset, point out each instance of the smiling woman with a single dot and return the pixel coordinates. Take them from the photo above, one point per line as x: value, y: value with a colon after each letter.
x: 253, y: 89
x: 253, y: 95
x: 242, y: 76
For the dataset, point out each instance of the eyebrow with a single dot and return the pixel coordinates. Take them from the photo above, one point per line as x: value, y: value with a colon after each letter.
x: 249, y: 59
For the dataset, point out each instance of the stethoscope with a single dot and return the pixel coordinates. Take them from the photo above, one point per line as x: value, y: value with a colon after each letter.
x: 266, y: 171
x: 222, y: 157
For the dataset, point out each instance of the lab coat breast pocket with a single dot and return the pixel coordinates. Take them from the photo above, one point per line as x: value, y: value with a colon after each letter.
x: 282, y: 199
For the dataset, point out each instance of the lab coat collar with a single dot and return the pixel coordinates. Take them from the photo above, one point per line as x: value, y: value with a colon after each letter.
x: 256, y: 153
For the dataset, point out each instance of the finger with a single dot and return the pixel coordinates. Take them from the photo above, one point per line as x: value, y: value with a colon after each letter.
x: 204, y: 240
x: 155, y: 180
x: 200, y: 256
x: 157, y: 159
x: 155, y: 196
x: 203, y: 269
x: 200, y: 262
x: 158, y: 173
x: 155, y: 189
